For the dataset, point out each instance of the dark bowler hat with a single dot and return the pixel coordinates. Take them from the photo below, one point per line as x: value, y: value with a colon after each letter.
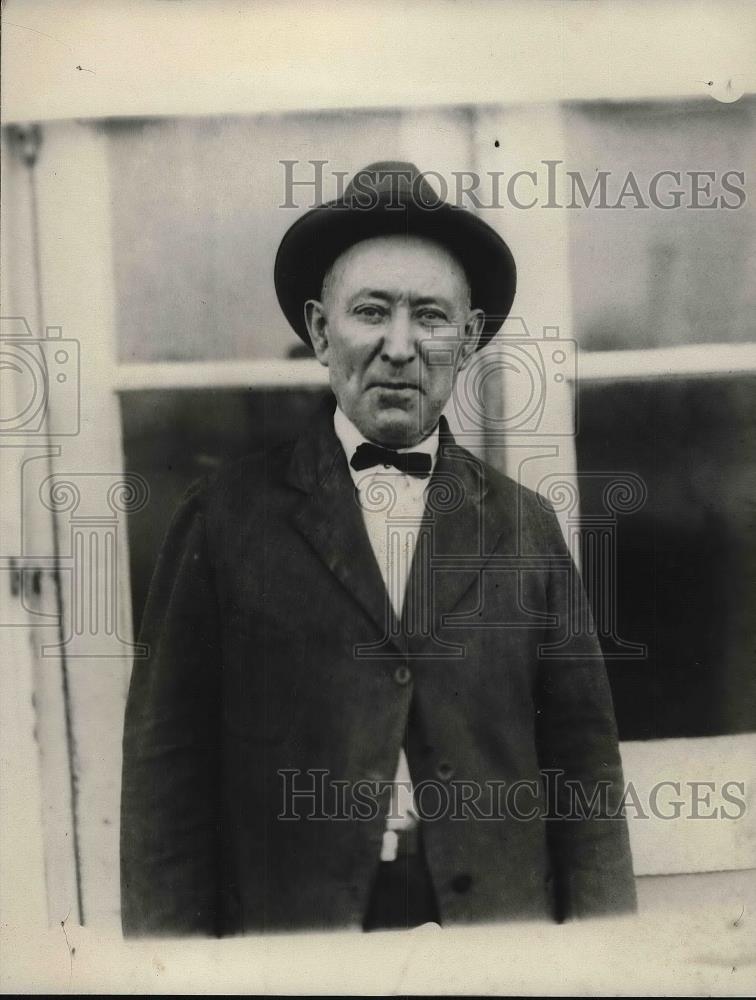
x: 387, y: 199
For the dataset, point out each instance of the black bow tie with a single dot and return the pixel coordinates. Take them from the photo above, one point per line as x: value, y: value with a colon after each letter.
x: 413, y: 463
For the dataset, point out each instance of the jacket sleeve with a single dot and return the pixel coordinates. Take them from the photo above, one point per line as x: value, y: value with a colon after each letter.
x: 579, y: 753
x: 169, y: 798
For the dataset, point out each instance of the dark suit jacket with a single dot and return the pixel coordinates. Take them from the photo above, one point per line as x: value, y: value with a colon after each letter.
x: 274, y: 655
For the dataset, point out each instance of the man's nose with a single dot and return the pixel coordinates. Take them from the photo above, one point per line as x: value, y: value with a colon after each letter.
x: 400, y: 340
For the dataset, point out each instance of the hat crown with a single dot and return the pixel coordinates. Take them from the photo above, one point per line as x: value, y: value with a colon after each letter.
x: 391, y: 184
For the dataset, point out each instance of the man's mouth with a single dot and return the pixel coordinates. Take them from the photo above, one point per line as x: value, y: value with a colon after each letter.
x: 395, y: 386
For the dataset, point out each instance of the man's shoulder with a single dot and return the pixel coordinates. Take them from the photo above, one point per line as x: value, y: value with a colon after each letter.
x: 239, y: 485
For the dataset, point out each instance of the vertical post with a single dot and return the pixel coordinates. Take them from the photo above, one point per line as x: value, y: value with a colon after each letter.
x: 76, y: 260
x: 39, y: 830
x: 533, y: 359
x: 23, y: 889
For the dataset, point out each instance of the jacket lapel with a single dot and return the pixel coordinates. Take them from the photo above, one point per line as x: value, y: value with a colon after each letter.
x: 460, y: 532
x: 329, y: 517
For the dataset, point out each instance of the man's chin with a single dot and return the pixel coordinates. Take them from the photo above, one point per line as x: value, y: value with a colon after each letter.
x: 395, y: 428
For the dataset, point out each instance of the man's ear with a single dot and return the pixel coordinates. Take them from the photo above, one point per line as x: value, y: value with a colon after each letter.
x: 473, y: 332
x: 317, y: 327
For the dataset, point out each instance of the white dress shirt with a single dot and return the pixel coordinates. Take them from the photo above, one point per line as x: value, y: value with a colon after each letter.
x: 392, y: 504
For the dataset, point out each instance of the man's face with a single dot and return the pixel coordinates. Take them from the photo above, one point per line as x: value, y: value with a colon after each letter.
x: 373, y: 330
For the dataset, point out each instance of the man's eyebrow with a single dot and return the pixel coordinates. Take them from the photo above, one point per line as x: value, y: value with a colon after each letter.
x: 388, y: 296
x: 432, y: 300
x: 372, y: 293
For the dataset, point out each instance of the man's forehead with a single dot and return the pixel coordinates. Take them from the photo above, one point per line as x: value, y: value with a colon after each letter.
x: 407, y: 264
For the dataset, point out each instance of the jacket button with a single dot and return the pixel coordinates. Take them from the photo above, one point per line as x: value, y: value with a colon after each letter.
x: 403, y: 674
x: 461, y: 883
x: 444, y: 770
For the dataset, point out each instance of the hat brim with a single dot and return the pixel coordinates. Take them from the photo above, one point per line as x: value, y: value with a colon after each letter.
x: 314, y: 242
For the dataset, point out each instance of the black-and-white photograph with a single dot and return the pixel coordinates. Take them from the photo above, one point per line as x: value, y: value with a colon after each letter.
x: 378, y: 535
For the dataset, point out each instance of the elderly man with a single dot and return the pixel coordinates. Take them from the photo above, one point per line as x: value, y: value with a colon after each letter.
x: 373, y: 697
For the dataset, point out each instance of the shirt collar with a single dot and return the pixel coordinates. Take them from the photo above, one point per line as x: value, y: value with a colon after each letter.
x: 351, y: 438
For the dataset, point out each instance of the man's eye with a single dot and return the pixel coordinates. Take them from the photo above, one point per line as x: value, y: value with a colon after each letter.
x: 432, y: 316
x: 370, y: 312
